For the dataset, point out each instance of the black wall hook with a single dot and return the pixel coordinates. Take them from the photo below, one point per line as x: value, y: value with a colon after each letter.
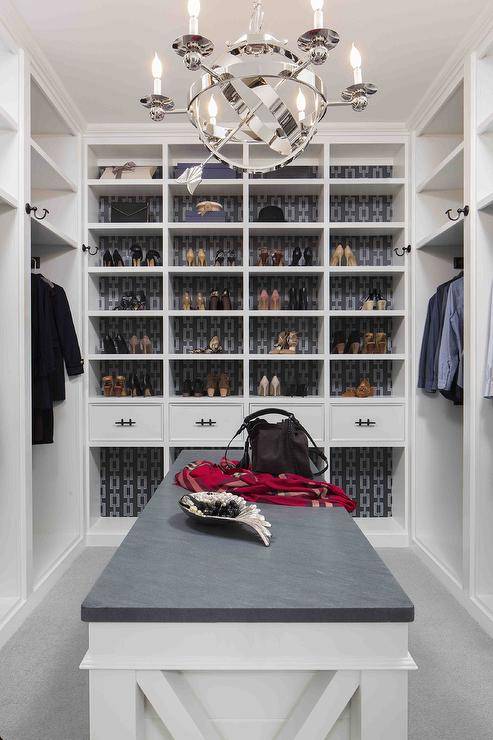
x: 88, y: 249
x: 403, y: 252
x: 464, y: 210
x: 34, y: 209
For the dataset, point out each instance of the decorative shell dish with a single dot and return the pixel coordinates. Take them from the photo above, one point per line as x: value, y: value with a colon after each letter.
x: 213, y: 508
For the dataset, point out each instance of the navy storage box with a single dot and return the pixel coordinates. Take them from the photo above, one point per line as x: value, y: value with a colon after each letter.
x: 210, y: 216
x: 212, y: 171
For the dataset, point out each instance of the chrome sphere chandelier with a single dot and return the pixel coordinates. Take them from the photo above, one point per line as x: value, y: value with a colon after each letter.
x: 259, y: 92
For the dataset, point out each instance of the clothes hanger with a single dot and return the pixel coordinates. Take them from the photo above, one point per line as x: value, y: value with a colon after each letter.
x: 35, y: 265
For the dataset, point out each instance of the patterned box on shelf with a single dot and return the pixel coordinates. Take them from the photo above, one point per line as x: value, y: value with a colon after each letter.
x: 286, y: 243
x: 154, y: 203
x: 124, y: 246
x: 129, y: 477
x: 365, y: 474
x: 232, y: 207
x: 348, y: 292
x: 210, y: 244
x: 264, y: 333
x: 205, y: 284
x: 112, y: 288
x: 181, y: 370
x: 210, y: 171
x: 376, y: 250
x: 138, y: 324
x: 188, y: 334
x: 361, y: 171
x: 292, y: 172
x: 346, y: 374
x: 283, y: 284
x: 291, y: 374
x: 354, y: 208
x: 296, y: 208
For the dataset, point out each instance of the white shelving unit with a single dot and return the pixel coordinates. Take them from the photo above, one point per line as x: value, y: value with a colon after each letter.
x: 245, y: 280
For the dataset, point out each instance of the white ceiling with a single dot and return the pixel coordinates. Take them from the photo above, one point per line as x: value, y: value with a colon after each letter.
x: 102, y: 50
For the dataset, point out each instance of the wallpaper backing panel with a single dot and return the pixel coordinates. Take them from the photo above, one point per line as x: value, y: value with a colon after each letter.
x: 129, y: 476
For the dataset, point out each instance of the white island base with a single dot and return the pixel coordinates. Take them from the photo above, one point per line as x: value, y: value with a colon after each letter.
x: 256, y: 681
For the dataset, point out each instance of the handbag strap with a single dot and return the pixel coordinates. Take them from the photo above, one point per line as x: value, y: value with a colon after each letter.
x: 280, y: 412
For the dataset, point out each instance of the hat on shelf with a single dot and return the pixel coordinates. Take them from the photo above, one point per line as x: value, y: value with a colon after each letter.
x: 271, y: 214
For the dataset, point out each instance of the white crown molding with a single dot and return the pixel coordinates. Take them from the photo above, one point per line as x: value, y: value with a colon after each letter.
x: 452, y: 71
x: 22, y: 36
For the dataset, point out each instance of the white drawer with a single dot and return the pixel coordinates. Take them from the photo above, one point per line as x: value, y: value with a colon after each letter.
x: 105, y: 422
x: 386, y: 423
x: 206, y: 422
x: 311, y: 416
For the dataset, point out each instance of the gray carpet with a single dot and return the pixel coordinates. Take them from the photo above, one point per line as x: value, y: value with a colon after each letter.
x: 44, y: 696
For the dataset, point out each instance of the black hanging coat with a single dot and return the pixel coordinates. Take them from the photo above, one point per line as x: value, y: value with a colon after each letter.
x: 53, y: 342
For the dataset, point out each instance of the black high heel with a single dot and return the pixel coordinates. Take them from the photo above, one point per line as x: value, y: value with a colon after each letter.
x: 353, y: 344
x: 125, y: 303
x: 302, y: 300
x: 139, y: 302
x: 231, y: 258
x: 148, y: 389
x: 137, y: 255
x: 338, y: 343
x: 308, y: 256
x: 117, y: 259
x: 187, y: 388
x: 219, y: 258
x: 135, y: 388
x: 121, y: 345
x: 292, y: 305
x: 107, y: 259
x: 295, y: 259
x: 109, y: 346
x: 198, y: 388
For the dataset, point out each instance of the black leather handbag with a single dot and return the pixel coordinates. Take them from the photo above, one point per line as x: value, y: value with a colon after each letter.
x: 124, y: 213
x: 277, y: 448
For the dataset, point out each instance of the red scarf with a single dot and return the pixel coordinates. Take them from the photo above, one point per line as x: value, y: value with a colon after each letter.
x: 286, y: 489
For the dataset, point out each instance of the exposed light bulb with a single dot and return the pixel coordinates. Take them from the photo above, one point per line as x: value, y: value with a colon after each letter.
x: 318, y: 13
x: 193, y: 12
x: 355, y: 60
x: 301, y: 102
x: 212, y: 109
x: 157, y: 71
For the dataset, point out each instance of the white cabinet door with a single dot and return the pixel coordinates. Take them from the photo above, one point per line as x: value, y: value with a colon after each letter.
x: 312, y: 416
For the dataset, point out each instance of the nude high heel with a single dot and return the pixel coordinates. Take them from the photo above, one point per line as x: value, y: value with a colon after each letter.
x: 337, y: 255
x: 211, y: 384
x: 186, y: 301
x: 275, y: 386
x: 350, y: 258
x: 224, y: 385
x: 275, y: 300
x: 263, y: 387
x: 368, y: 344
x: 108, y: 386
x: 200, y: 302
x: 380, y: 343
x: 263, y: 301
x: 146, y: 345
x: 134, y: 344
x: 201, y: 257
x: 190, y: 257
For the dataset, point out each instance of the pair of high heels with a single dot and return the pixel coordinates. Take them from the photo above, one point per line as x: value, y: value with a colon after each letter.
x: 277, y: 257
x: 200, y: 259
x: 369, y: 344
x: 118, y: 346
x: 118, y: 388
x: 268, y: 302
x: 216, y: 302
x: 269, y: 388
x: 374, y: 301
x: 341, y: 252
x: 286, y: 343
x: 131, y: 302
x: 152, y: 258
x: 228, y: 255
x: 363, y: 390
x: 216, y: 384
x: 214, y: 347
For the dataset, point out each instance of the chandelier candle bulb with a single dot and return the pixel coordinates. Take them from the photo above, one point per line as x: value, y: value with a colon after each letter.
x: 318, y: 13
x: 355, y: 59
x: 157, y: 71
x: 212, y: 109
x: 193, y: 12
x: 301, y: 104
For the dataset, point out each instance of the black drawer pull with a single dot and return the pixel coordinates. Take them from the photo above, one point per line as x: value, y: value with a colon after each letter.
x: 123, y: 423
x: 204, y: 423
x: 367, y: 423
